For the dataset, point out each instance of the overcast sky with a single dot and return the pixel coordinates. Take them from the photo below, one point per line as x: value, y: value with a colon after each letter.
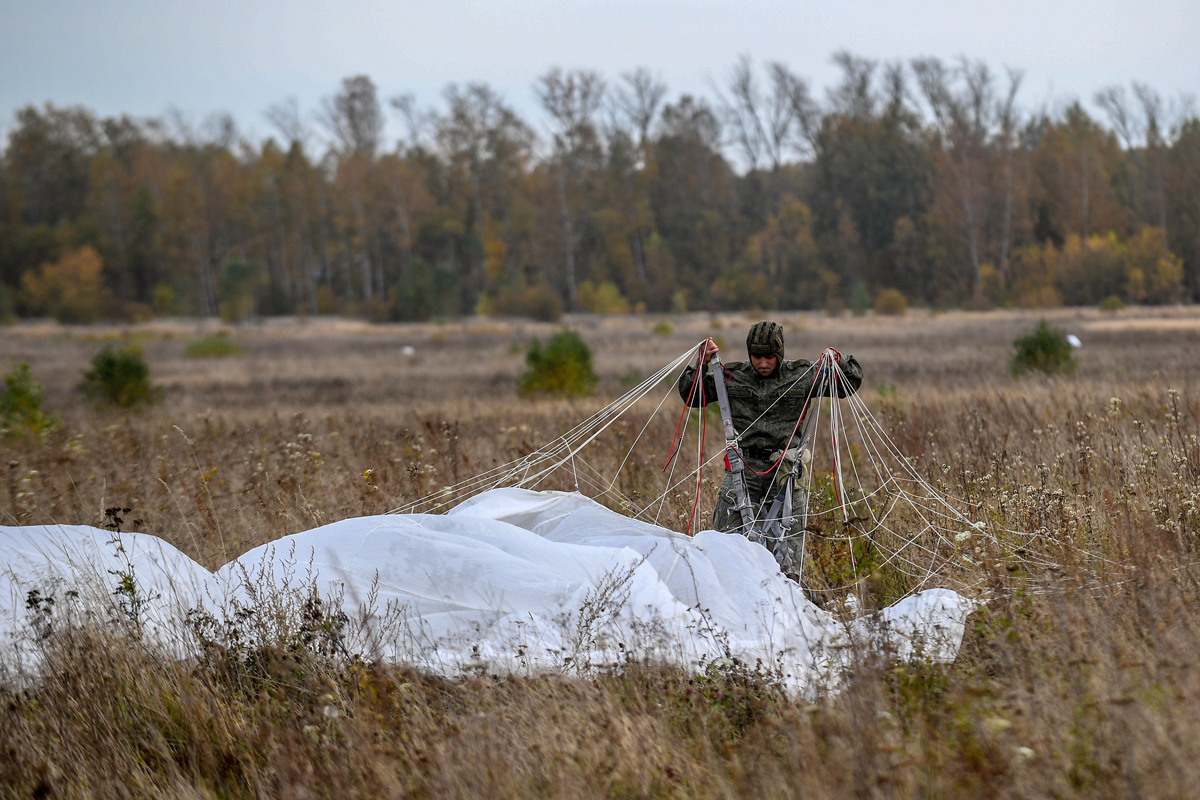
x: 141, y: 57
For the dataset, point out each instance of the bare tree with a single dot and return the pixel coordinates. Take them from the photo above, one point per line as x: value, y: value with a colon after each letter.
x: 764, y: 126
x: 353, y: 116
x: 1144, y: 126
x: 286, y: 118
x: 1008, y: 119
x: 417, y: 122
x: 572, y: 99
x: 854, y: 96
x: 962, y: 119
x: 484, y: 137
x: 639, y: 99
x: 1154, y: 114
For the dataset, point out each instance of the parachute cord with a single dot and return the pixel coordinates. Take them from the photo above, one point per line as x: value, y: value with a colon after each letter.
x: 839, y: 489
x: 698, y: 377
x: 699, y: 461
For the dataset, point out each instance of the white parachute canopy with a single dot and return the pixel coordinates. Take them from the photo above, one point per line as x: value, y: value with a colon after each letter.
x: 512, y: 581
x: 492, y: 574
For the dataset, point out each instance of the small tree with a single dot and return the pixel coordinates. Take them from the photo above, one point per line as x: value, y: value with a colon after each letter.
x: 119, y: 378
x: 860, y: 299
x: 21, y: 404
x: 563, y: 368
x: 1046, y: 350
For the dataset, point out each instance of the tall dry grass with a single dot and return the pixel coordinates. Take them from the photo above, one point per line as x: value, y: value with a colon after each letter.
x: 1076, y: 679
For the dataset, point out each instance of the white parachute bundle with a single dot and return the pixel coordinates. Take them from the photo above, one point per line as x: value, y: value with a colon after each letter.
x: 496, y: 575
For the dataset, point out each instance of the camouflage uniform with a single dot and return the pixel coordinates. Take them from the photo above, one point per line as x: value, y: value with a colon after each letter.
x: 761, y: 432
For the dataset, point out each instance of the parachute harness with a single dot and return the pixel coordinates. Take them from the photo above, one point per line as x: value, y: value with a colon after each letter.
x: 774, y: 529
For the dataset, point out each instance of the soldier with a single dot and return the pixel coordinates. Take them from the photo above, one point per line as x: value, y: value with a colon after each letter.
x: 766, y: 398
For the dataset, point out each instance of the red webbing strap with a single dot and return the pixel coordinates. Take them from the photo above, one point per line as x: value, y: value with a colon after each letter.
x: 700, y: 464
x: 691, y: 393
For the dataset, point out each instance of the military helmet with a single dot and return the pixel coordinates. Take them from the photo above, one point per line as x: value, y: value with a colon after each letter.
x: 765, y: 339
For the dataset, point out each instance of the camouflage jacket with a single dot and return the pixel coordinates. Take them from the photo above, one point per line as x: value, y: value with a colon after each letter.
x: 765, y: 410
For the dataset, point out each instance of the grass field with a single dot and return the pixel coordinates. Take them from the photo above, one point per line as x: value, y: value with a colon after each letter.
x: 1076, y: 681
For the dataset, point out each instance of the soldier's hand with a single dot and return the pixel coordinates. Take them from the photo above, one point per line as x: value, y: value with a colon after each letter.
x: 708, y: 350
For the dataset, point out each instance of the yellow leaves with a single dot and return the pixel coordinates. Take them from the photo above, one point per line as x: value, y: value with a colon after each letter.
x: 70, y: 289
x: 602, y: 298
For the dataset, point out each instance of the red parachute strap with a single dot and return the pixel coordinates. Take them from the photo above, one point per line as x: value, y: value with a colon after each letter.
x: 837, y: 461
x: 691, y: 393
x: 700, y: 463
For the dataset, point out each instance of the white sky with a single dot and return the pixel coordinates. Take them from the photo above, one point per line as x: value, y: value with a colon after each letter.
x: 141, y: 57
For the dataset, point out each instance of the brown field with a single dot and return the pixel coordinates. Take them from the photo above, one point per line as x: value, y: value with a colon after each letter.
x: 1073, y: 682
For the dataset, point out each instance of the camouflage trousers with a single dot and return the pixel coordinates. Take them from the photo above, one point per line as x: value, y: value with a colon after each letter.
x: 726, y: 517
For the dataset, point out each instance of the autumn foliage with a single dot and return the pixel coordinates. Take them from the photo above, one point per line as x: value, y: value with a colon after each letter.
x: 927, y: 178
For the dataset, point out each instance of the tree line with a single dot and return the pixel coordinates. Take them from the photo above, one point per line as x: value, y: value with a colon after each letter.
x: 927, y: 177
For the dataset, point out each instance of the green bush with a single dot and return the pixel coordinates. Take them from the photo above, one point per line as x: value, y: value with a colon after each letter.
x: 1112, y: 303
x: 119, y: 378
x: 1045, y: 350
x: 860, y: 299
x: 216, y: 345
x: 663, y: 328
x: 21, y: 404
x: 563, y: 368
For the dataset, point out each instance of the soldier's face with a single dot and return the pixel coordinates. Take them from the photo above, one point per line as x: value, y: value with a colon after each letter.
x: 765, y: 365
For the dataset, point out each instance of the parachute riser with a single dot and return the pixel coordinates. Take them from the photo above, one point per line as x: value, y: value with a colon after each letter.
x: 733, y: 456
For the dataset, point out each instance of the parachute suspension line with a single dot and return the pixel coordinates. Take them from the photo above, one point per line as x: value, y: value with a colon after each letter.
x: 638, y: 438
x: 530, y: 468
x: 673, y: 454
x: 699, y: 453
x: 697, y: 379
x: 613, y: 417
x: 829, y: 373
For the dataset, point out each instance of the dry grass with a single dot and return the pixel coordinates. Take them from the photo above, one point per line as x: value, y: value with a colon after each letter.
x: 1075, y: 681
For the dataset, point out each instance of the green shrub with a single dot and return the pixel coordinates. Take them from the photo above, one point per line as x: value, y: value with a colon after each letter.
x: 119, y: 378
x: 663, y: 328
x: 216, y: 345
x: 890, y: 303
x: 563, y: 368
x: 1112, y: 303
x: 21, y: 404
x: 860, y: 299
x: 1045, y: 350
